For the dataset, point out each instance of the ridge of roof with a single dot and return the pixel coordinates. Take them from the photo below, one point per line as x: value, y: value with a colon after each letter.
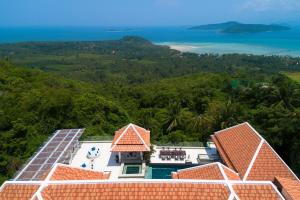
x: 131, y: 125
x: 138, y: 134
x: 276, y: 154
x: 253, y: 160
x: 173, y: 181
x: 198, y: 167
x: 231, y: 127
x: 224, y: 166
x: 242, y: 137
x: 211, y: 171
x: 50, y: 175
x: 122, y: 134
x: 226, y: 157
x: 222, y: 171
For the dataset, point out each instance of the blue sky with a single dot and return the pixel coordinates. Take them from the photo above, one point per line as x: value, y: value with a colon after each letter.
x: 145, y: 12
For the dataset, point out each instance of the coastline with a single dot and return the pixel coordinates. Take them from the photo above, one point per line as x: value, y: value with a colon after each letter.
x: 229, y: 48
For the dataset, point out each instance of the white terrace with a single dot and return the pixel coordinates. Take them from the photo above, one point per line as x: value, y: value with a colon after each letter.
x: 124, y: 157
x: 106, y: 161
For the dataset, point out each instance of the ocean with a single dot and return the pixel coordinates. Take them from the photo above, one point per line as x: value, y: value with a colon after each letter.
x: 181, y: 38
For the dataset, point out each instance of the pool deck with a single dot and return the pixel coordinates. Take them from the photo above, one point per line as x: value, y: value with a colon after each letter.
x: 105, y: 162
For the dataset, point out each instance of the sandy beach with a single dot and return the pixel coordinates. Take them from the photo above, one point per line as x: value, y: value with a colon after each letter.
x: 227, y: 48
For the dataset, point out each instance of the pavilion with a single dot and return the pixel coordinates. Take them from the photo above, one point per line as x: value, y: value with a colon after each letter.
x: 131, y: 142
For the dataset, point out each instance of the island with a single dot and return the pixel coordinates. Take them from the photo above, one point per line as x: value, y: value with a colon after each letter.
x: 236, y: 27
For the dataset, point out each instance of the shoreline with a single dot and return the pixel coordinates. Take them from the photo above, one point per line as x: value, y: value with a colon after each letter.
x: 229, y: 48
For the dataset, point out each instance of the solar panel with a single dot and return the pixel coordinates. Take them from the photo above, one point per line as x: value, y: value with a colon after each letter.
x: 57, y: 149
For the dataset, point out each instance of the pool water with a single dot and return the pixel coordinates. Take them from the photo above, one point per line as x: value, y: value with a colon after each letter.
x: 132, y: 169
x: 163, y: 171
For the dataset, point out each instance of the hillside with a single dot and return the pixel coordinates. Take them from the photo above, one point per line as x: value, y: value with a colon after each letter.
x: 236, y: 27
x: 33, y: 104
x: 179, y: 97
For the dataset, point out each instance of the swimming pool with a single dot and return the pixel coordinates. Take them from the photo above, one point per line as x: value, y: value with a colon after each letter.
x: 132, y: 169
x: 163, y: 171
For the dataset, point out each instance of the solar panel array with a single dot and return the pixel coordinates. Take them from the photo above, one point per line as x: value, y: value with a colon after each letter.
x: 57, y: 149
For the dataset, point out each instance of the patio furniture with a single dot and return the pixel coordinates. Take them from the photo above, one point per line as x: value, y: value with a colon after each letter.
x: 93, y: 153
x: 176, y: 154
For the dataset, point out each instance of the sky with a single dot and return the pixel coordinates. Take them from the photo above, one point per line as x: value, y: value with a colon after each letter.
x: 145, y: 12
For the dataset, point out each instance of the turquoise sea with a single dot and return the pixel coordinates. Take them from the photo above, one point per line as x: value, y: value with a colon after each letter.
x: 268, y: 43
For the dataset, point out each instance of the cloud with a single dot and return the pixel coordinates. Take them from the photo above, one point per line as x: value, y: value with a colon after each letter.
x: 273, y: 5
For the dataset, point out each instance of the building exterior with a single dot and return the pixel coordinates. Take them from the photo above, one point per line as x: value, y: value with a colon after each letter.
x: 129, y: 141
x: 248, y: 168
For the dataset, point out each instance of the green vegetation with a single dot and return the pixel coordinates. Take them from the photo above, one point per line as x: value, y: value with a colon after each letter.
x: 33, y: 104
x: 180, y: 97
x: 132, y: 60
x: 293, y: 75
x: 236, y: 27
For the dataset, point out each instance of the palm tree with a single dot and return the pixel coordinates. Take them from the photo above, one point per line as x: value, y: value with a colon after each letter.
x: 172, y: 119
x: 285, y: 93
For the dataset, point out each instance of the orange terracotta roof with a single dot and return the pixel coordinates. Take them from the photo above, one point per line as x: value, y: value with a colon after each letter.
x: 18, y: 191
x: 256, y: 191
x: 267, y: 165
x: 65, y: 172
x: 239, y: 144
x: 231, y: 175
x: 244, y: 150
x: 213, y: 171
x: 222, y: 152
x: 289, y: 188
x: 89, y: 189
x: 133, y: 191
x: 131, y: 138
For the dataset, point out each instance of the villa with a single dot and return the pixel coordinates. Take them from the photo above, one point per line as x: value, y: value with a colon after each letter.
x: 238, y: 163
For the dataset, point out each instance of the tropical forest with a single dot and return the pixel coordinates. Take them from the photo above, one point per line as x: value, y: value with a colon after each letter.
x: 180, y: 97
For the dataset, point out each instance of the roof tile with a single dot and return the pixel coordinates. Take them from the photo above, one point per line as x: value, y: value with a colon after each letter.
x: 267, y: 165
x: 65, y: 172
x: 289, y: 188
x: 251, y: 191
x: 206, y: 172
x: 130, y: 191
x: 239, y: 144
x: 18, y: 191
x: 131, y: 138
